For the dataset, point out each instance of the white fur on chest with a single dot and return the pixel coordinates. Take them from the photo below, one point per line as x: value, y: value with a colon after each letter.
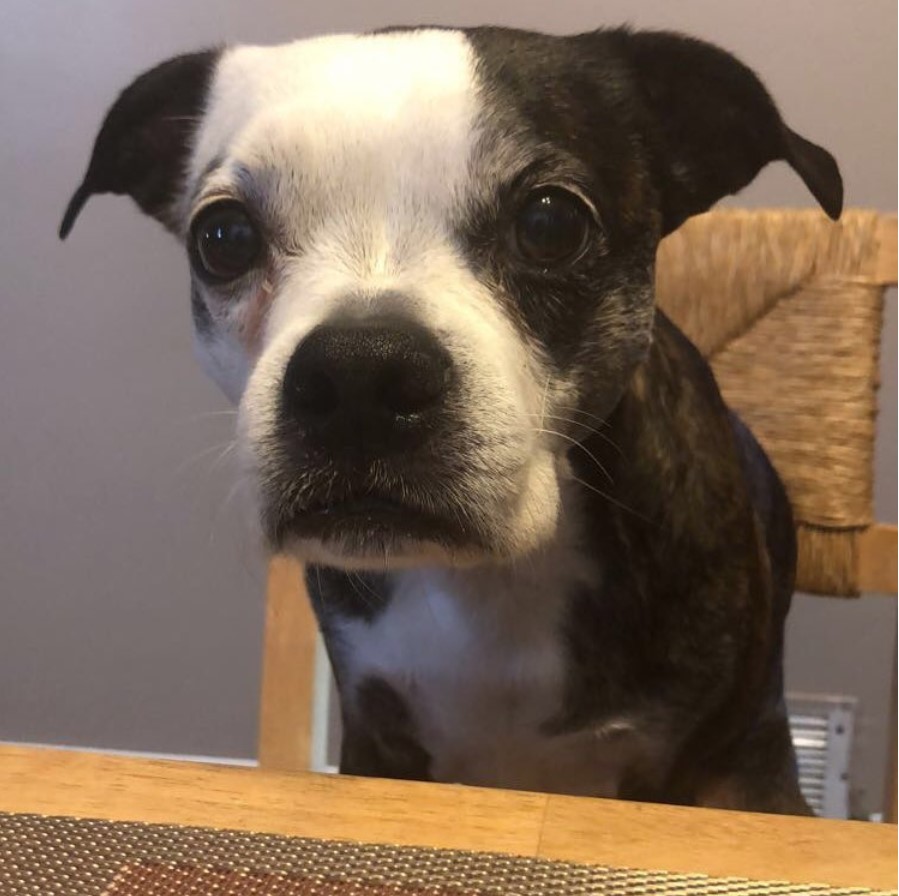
x: 479, y: 658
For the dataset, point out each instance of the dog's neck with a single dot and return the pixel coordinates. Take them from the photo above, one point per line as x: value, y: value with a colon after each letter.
x: 496, y: 590
x: 562, y: 563
x: 466, y: 666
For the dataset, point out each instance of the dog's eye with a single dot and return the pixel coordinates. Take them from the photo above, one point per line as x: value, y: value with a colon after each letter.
x: 225, y: 241
x: 552, y: 226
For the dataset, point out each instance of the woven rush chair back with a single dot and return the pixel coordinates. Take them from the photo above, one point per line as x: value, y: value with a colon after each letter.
x: 787, y: 307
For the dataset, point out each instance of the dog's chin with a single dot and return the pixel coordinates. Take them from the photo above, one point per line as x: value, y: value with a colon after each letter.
x: 378, y: 535
x: 366, y: 532
x: 393, y: 554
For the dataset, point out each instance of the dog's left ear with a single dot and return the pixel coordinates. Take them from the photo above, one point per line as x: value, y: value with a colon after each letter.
x: 713, y: 126
x: 145, y: 140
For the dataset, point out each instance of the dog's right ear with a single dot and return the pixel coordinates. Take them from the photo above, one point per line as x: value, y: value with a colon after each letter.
x: 713, y: 126
x: 143, y: 146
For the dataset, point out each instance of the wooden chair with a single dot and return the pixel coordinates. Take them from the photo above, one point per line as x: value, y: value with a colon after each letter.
x: 787, y: 306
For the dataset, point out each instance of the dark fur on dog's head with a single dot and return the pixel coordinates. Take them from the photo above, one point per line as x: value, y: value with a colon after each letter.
x: 386, y: 176
x: 709, y: 121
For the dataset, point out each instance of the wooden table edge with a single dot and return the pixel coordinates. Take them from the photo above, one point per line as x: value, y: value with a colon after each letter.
x: 599, y: 832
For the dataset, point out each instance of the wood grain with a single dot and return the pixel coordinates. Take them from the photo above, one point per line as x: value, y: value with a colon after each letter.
x: 448, y: 816
x: 90, y: 785
x: 288, y: 670
x: 886, y: 261
x: 719, y: 842
x: 877, y: 560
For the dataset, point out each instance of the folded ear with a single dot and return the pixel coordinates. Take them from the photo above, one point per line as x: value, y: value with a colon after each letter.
x: 714, y: 127
x: 143, y: 145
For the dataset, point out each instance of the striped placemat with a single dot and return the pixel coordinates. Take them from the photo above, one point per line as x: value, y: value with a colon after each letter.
x: 50, y: 856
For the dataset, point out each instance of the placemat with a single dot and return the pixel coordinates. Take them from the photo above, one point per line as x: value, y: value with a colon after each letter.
x: 50, y: 856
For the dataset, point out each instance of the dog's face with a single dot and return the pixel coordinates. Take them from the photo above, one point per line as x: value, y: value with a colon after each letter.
x: 422, y: 261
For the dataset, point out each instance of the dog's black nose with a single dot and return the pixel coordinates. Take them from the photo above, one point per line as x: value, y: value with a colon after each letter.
x: 366, y: 385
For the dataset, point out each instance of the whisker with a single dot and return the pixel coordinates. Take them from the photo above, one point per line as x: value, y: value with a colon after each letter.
x: 368, y: 587
x: 584, y: 413
x: 192, y: 118
x: 224, y: 454
x: 223, y: 506
x: 612, y: 500
x: 543, y: 402
x: 224, y: 447
x: 205, y: 415
x: 352, y: 579
x: 578, y: 424
x: 575, y: 442
x: 435, y: 619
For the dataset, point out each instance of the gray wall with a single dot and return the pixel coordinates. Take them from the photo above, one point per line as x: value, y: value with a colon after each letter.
x: 130, y: 582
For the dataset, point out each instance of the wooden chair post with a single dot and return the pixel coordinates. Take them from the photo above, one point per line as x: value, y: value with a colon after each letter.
x: 288, y: 670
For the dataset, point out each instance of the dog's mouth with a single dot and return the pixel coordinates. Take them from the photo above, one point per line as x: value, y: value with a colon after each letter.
x: 372, y: 523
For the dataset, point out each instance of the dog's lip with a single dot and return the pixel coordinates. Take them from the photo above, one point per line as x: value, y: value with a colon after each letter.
x: 367, y: 514
x: 361, y: 505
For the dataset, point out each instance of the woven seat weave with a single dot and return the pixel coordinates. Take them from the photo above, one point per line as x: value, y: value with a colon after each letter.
x: 787, y: 307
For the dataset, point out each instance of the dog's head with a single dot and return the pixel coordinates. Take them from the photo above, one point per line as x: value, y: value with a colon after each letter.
x: 422, y: 260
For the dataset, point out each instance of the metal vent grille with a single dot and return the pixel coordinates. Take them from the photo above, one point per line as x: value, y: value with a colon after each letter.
x: 822, y: 728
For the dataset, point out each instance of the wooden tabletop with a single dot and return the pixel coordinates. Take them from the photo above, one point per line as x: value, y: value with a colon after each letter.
x: 602, y: 832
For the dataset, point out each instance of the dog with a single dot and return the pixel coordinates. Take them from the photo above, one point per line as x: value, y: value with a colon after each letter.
x: 543, y: 552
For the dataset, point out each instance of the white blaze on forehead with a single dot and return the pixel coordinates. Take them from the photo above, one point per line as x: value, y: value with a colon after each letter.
x: 410, y: 92
x: 357, y: 151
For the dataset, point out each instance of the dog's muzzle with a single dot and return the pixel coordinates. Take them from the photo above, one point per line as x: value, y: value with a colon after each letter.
x: 364, y: 407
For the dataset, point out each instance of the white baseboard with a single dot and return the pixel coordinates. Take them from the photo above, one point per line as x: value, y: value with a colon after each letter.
x: 140, y: 754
